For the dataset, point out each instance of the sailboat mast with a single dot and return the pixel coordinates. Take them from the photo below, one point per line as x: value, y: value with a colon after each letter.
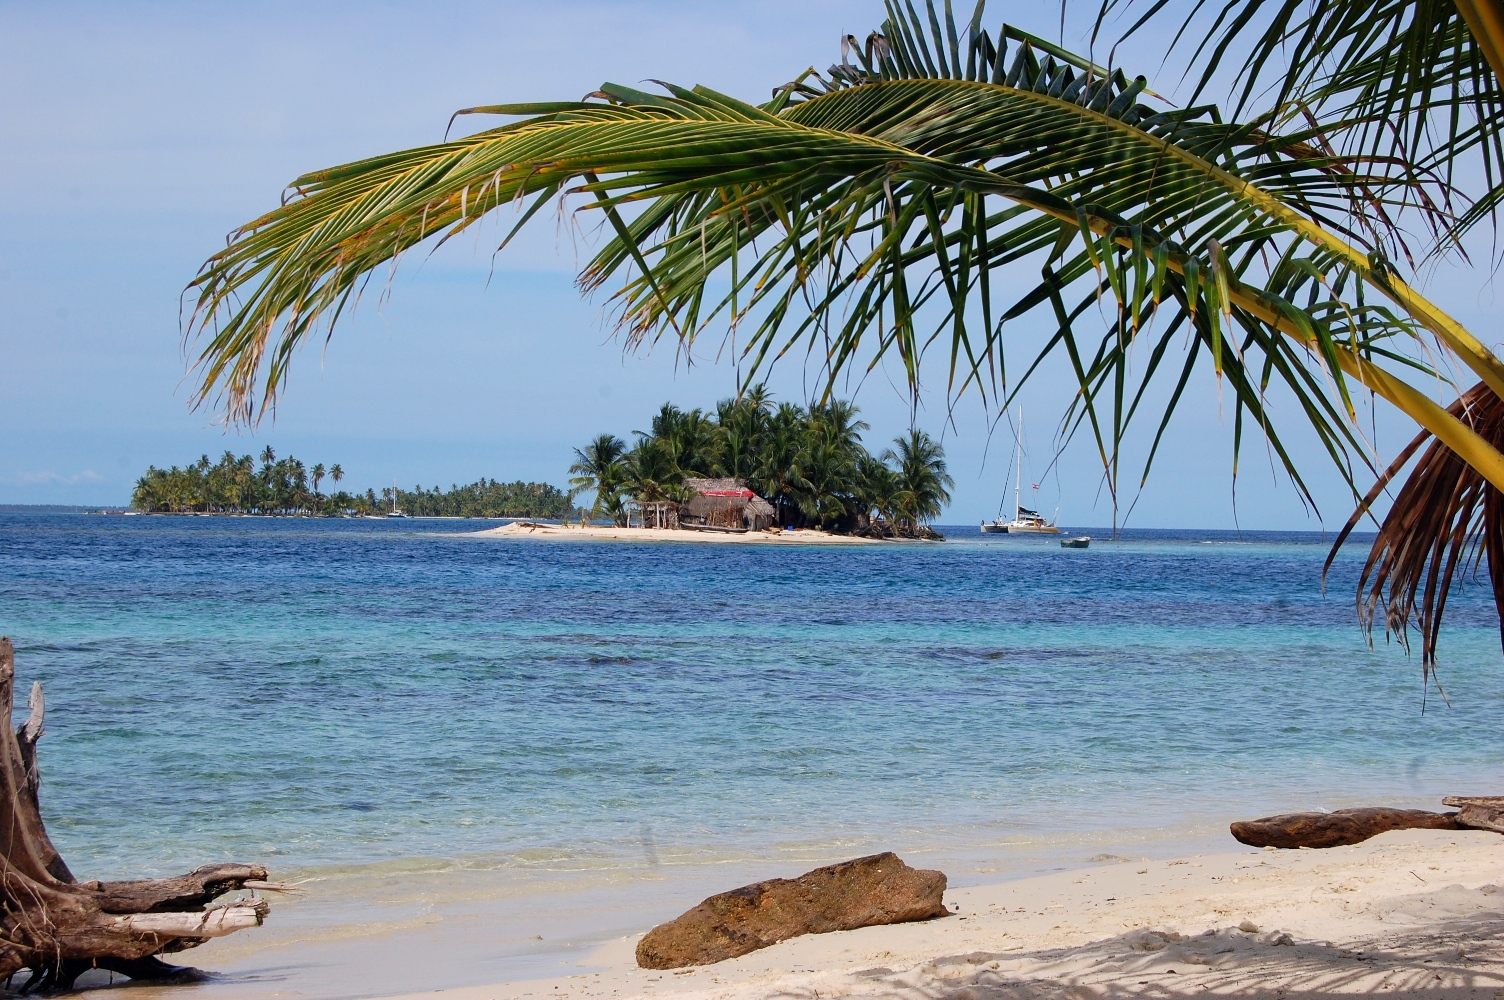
x: 1018, y: 456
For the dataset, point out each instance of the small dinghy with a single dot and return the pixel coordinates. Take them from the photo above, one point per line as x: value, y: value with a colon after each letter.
x: 1079, y: 542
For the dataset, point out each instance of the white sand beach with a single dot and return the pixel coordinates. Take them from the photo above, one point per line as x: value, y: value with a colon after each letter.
x: 1412, y: 912
x: 578, y: 532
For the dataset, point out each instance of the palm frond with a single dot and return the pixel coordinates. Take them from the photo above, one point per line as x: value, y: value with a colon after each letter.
x: 1446, y: 520
x: 1413, y: 79
x: 854, y: 204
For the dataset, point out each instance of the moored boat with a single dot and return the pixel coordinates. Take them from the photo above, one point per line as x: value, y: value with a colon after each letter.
x: 1025, y: 521
x: 1030, y: 522
x: 394, y: 512
x: 1079, y: 542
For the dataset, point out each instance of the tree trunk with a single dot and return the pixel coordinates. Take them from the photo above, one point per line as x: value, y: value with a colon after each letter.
x: 57, y: 927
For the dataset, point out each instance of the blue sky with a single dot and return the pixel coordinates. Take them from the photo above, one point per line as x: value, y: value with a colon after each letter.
x: 136, y: 135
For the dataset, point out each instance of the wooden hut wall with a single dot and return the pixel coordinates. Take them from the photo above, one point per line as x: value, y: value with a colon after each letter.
x: 720, y: 512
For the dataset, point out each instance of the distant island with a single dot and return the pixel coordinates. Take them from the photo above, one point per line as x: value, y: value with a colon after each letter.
x: 59, y: 508
x: 751, y: 465
x: 287, y: 487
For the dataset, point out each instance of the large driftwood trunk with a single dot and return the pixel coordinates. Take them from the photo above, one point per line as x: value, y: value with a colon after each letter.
x: 57, y: 927
x: 1339, y: 828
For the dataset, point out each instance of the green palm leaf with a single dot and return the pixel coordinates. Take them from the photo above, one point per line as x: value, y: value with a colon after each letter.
x: 1418, y: 79
x: 856, y: 204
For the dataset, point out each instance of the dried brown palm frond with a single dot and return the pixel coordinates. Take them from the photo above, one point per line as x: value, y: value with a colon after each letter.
x: 1446, y: 519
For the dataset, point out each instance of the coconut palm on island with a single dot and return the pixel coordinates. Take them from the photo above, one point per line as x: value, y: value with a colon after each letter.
x: 806, y: 465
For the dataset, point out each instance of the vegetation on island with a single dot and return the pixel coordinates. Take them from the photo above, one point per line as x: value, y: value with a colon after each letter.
x: 808, y: 462
x: 947, y: 177
x: 488, y: 498
x: 287, y: 486
x: 236, y: 485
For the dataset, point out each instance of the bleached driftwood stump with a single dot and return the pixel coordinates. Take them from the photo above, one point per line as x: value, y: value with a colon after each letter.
x: 57, y: 927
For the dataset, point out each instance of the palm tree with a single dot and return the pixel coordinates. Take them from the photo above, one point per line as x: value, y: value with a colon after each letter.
x: 649, y: 472
x: 742, y: 422
x: 921, y: 481
x: 598, y: 467
x: 317, y: 474
x: 778, y: 476
x: 838, y: 418
x: 937, y: 154
x: 876, y: 488
x: 688, y: 437
x: 824, y: 471
x: 268, y: 456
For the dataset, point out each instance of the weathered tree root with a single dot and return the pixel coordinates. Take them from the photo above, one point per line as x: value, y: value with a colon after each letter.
x: 1479, y: 812
x: 56, y: 927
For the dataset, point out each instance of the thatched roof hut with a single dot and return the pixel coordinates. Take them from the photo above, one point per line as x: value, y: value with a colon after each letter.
x: 726, y: 503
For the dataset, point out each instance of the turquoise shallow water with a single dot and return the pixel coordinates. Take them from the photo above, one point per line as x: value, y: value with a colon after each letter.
x: 322, y: 694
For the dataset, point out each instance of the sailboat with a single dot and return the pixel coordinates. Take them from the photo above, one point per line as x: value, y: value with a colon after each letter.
x: 394, y: 511
x: 1025, y: 521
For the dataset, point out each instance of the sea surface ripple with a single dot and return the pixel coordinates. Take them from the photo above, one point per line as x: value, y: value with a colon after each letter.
x: 327, y: 693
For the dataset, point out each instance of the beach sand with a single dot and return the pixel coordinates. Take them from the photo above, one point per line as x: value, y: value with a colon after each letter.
x: 1412, y: 912
x: 531, y: 529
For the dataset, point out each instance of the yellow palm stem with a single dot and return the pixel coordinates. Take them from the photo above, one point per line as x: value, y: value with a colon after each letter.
x: 1424, y: 410
x: 1485, y: 19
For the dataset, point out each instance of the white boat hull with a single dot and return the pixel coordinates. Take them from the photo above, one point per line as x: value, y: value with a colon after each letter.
x: 1032, y: 529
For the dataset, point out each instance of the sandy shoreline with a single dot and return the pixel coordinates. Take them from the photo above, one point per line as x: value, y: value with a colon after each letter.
x: 578, y: 532
x: 1411, y: 912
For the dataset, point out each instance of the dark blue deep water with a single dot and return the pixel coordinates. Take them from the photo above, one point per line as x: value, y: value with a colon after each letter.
x: 319, y: 692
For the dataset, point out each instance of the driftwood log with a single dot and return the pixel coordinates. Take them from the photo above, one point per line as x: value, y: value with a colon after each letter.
x: 1478, y: 812
x: 878, y: 889
x: 1339, y: 828
x: 57, y: 927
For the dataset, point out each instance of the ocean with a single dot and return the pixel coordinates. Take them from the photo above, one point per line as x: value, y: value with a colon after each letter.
x: 507, y: 751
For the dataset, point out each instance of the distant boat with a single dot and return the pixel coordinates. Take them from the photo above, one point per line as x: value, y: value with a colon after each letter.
x: 394, y: 511
x: 1079, y: 542
x: 1025, y: 521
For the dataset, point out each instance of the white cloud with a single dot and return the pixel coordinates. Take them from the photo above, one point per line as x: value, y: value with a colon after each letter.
x: 52, y: 478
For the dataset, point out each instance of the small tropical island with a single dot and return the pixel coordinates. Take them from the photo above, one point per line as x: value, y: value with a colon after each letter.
x: 748, y: 467
x: 751, y: 465
x: 287, y: 487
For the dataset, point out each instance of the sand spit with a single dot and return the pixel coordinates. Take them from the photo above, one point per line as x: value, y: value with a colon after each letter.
x: 1413, y: 913
x: 577, y: 532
